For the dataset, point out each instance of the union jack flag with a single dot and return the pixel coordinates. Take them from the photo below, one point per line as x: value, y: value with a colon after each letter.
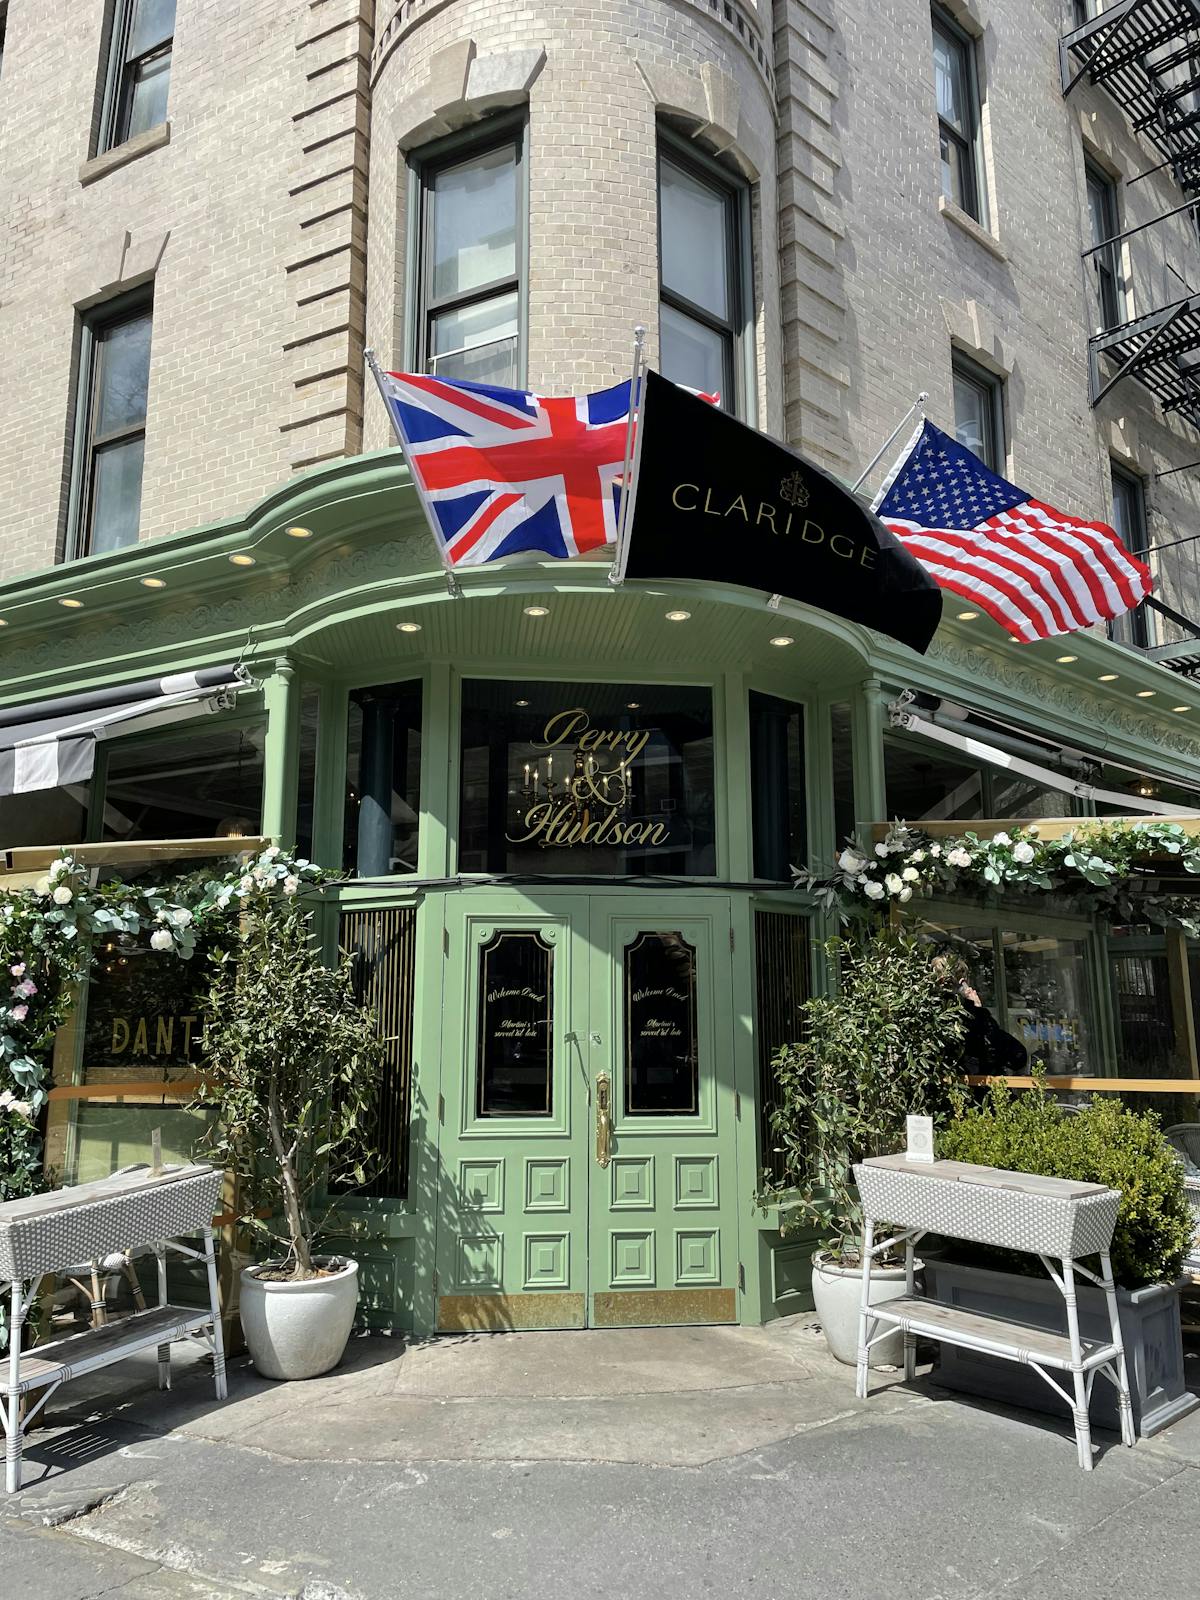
x: 1037, y: 571
x: 502, y: 471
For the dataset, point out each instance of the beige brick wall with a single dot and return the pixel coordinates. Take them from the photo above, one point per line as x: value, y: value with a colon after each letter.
x: 250, y: 221
x: 878, y: 284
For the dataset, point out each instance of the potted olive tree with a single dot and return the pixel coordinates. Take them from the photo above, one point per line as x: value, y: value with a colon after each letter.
x: 886, y: 1044
x: 1104, y: 1142
x: 291, y: 1066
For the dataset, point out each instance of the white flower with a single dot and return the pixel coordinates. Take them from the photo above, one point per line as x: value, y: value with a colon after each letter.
x: 6, y: 1098
x: 873, y: 890
x: 1001, y: 838
x: 910, y: 875
x: 906, y: 894
x: 181, y: 916
x: 917, y: 855
x: 851, y: 862
x: 270, y: 852
x: 58, y: 868
x: 881, y: 849
x: 290, y: 884
x: 935, y: 850
x: 62, y: 895
x: 245, y: 884
x: 161, y: 939
x: 42, y: 887
x: 958, y: 857
x: 223, y: 900
x: 1023, y: 853
x: 893, y: 883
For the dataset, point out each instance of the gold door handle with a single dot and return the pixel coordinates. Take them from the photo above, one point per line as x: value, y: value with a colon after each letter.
x: 604, y: 1127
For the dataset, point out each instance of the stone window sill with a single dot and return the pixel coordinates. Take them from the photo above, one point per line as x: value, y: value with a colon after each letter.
x: 959, y: 217
x: 121, y: 155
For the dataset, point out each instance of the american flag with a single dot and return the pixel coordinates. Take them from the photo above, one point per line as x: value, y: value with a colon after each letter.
x: 502, y: 471
x: 1037, y: 571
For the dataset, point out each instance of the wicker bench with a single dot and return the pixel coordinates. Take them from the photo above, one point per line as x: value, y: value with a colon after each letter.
x: 1052, y: 1218
x: 50, y: 1233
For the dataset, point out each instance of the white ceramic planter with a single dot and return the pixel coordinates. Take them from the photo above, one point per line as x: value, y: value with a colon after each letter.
x: 837, y: 1296
x: 299, y: 1330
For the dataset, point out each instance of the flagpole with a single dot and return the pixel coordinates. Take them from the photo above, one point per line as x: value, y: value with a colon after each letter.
x: 616, y: 573
x: 918, y: 405
x: 452, y: 582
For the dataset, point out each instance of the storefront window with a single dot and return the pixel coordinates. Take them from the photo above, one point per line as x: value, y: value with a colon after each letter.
x: 925, y: 786
x: 383, y: 780
x: 1048, y: 999
x: 604, y: 779
x: 198, y: 782
x: 1140, y: 981
x: 777, y: 787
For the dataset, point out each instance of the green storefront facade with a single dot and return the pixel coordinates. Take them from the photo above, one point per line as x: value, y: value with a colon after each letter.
x: 569, y: 816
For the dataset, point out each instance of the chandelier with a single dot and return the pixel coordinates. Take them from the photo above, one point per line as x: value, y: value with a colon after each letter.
x: 579, y: 789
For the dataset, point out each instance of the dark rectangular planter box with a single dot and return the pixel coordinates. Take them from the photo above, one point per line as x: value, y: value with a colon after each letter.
x: 1150, y: 1332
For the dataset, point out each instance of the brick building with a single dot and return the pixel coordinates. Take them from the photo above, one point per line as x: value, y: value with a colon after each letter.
x: 819, y: 208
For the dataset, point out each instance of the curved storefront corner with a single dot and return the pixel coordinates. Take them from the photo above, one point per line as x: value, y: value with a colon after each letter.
x: 569, y: 838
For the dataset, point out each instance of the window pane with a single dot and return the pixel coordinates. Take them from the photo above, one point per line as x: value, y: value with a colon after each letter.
x: 116, y: 495
x: 1049, y: 999
x: 306, y: 777
x: 477, y: 342
x: 153, y: 24
x: 974, y: 419
x: 145, y: 102
x: 193, y: 784
x: 514, y: 1061
x: 692, y: 353
x: 695, y: 240
x: 602, y: 779
x: 661, y: 1047
x: 957, y: 178
x: 474, y: 222
x: 1105, y: 264
x: 950, y: 79
x: 122, y: 375
x: 777, y: 787
x: 383, y: 780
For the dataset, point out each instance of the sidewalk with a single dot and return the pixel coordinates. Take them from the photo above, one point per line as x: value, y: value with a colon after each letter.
x: 621, y: 1463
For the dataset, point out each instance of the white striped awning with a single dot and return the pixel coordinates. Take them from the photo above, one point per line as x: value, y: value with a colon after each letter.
x: 53, y: 742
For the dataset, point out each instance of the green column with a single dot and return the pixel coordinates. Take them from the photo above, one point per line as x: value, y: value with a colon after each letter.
x: 281, y: 700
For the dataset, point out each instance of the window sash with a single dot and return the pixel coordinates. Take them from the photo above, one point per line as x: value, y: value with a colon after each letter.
x: 731, y: 327
x: 988, y: 389
x: 1106, y: 264
x: 93, y: 445
x: 963, y: 136
x: 428, y: 306
x: 127, y: 68
x: 1129, y: 519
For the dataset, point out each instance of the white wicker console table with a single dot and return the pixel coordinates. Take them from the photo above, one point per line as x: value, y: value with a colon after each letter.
x: 48, y: 1233
x: 1052, y: 1218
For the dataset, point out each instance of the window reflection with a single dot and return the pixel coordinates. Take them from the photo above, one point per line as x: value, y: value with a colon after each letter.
x: 383, y: 779
x: 193, y: 784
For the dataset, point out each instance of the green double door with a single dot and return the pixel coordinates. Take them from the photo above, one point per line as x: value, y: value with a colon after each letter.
x: 586, y: 1172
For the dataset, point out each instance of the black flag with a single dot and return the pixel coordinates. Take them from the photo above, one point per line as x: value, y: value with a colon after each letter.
x: 717, y: 501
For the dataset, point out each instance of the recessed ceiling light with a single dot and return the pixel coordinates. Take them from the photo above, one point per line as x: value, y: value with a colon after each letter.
x: 71, y: 605
x: 153, y: 583
x: 1181, y: 708
x: 3, y: 622
x: 1146, y: 694
x: 242, y: 561
x: 408, y: 627
x: 967, y: 616
x: 782, y: 639
x: 678, y: 616
x: 520, y: 702
x: 633, y: 705
x: 1062, y: 660
x: 1109, y: 677
x: 537, y: 611
x: 298, y: 533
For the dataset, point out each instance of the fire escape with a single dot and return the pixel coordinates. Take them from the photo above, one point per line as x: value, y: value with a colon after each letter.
x: 1146, y: 55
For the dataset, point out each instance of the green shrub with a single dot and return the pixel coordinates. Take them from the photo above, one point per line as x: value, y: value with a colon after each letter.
x: 1106, y: 1142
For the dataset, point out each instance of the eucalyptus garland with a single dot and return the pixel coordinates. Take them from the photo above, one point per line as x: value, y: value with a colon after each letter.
x: 49, y: 936
x: 1111, y: 866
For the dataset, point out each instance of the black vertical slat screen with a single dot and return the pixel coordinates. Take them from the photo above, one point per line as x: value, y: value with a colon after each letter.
x: 384, y: 945
x: 782, y: 986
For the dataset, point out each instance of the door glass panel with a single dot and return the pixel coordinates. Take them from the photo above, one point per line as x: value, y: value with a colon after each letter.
x: 661, y: 1052
x: 514, y: 1061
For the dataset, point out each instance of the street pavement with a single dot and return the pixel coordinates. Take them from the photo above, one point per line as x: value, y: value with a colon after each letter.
x: 619, y: 1464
